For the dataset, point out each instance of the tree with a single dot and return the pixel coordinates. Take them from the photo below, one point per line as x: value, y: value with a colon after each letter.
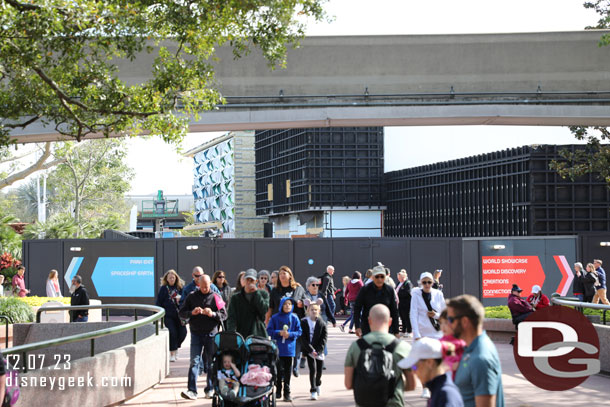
x: 15, y: 172
x: 58, y: 59
x: 601, y: 7
x: 27, y: 197
x: 592, y: 158
x: 93, y: 180
x: 10, y: 241
x: 595, y: 156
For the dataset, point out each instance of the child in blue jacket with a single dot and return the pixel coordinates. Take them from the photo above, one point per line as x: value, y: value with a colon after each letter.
x: 285, y: 328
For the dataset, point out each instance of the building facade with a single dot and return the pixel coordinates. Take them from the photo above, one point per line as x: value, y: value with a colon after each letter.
x: 321, y: 182
x: 224, y: 188
x: 505, y: 193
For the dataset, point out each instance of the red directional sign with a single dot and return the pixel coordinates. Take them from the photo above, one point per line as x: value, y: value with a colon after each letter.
x: 566, y: 274
x: 501, y: 272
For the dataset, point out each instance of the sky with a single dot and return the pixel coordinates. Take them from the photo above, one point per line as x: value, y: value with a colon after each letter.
x: 404, y: 146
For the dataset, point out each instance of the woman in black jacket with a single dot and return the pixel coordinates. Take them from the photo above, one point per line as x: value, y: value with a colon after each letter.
x: 578, y: 289
x: 168, y: 297
x: 589, y: 281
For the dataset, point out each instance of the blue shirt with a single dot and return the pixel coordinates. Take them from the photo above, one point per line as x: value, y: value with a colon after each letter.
x: 479, y: 372
x: 443, y: 392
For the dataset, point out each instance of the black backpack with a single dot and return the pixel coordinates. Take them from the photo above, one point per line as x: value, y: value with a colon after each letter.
x: 374, y: 376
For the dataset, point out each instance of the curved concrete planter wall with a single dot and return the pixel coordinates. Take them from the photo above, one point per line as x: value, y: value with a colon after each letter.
x: 107, y: 378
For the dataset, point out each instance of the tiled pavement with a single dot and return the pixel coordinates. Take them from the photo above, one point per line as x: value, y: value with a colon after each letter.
x: 518, y: 392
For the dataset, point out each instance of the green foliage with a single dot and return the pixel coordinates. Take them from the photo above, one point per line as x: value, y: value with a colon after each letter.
x: 601, y: 7
x: 92, y: 182
x: 8, y: 267
x: 503, y: 312
x: 60, y: 226
x: 27, y: 196
x: 59, y: 60
x: 500, y: 311
x: 593, y: 158
x: 10, y: 241
x: 18, y: 311
x: 596, y: 156
x: 189, y: 219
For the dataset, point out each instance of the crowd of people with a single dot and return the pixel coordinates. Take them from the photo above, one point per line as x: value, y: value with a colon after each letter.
x: 450, y: 350
x: 451, y: 355
x: 590, y: 283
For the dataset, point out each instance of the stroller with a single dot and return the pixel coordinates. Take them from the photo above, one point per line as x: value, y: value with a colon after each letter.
x: 253, y: 350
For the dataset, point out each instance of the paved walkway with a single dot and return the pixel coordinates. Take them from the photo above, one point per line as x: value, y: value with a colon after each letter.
x: 518, y: 392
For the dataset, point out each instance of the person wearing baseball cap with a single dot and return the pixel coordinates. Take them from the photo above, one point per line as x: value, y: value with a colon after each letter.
x: 248, y: 307
x: 426, y: 361
x: 538, y: 300
x: 376, y: 293
x: 519, y: 308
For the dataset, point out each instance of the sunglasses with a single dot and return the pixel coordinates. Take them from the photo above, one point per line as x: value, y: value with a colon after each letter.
x: 197, y: 275
x: 220, y: 277
x: 426, y: 282
x: 455, y: 318
x: 380, y: 276
x: 315, y: 285
x: 263, y: 278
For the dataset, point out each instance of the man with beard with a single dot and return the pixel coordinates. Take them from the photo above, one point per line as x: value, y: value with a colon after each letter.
x: 79, y: 296
x: 479, y: 375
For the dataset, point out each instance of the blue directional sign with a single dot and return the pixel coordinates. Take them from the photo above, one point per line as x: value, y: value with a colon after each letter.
x: 73, y: 269
x: 124, y: 276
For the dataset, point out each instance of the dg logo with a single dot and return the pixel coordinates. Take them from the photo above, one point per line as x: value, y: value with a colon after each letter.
x: 557, y: 348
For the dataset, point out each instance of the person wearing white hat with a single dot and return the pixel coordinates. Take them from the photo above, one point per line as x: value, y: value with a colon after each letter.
x: 426, y: 361
x: 427, y: 303
x: 538, y: 300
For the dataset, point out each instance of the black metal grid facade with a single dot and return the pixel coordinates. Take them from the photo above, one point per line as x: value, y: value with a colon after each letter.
x: 506, y: 193
x: 326, y: 167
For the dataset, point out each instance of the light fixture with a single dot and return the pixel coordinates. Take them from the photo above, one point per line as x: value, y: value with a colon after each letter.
x: 604, y: 244
x: 192, y: 247
x: 75, y: 249
x: 498, y: 247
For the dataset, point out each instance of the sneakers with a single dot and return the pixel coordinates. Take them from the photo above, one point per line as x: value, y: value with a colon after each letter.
x: 352, y: 332
x: 278, y: 393
x: 302, y: 365
x: 172, y: 356
x: 287, y: 397
x: 314, y: 395
x: 318, y: 390
x: 209, y: 394
x: 295, y: 372
x: 342, y: 328
x: 425, y: 394
x: 189, y: 395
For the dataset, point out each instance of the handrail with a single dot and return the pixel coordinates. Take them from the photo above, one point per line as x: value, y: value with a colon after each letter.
x: 158, y: 315
x: 575, y: 302
x: 7, y: 321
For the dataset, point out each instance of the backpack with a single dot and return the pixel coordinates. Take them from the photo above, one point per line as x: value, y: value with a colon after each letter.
x: 374, y: 376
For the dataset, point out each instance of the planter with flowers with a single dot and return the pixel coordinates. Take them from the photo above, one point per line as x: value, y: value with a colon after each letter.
x: 8, y: 269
